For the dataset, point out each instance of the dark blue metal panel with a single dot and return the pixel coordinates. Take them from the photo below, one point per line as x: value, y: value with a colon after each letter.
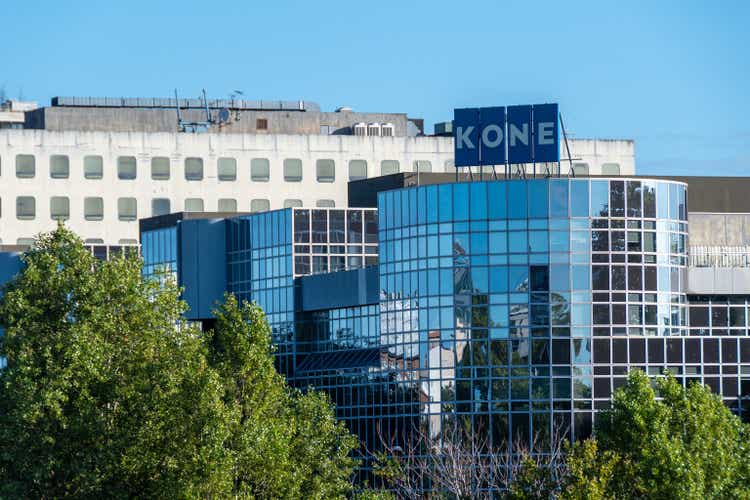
x: 546, y: 133
x: 519, y: 134
x: 202, y: 263
x: 492, y: 140
x: 357, y: 287
x: 466, y: 136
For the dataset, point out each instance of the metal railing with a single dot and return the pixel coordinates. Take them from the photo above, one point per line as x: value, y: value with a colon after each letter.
x: 719, y: 256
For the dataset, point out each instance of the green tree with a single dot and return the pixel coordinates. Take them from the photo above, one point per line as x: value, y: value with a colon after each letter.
x: 108, y: 391
x: 102, y: 393
x: 686, y: 445
x: 590, y: 472
x: 287, y: 443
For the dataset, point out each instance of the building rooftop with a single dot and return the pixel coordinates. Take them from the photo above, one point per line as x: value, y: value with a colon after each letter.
x: 705, y: 194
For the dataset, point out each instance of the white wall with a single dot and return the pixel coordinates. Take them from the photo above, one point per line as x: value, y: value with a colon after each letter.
x: 42, y: 144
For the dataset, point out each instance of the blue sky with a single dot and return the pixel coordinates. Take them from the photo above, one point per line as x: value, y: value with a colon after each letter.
x: 671, y: 75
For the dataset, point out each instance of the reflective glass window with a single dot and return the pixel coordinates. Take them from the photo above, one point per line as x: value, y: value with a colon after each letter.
x: 610, y: 169
x: 292, y: 203
x: 127, y: 209
x: 260, y: 170
x: 159, y: 206
x: 325, y: 170
x: 496, y: 193
x: 461, y: 201
x: 227, y: 205
x: 59, y: 166
x: 478, y: 203
x: 617, y: 199
x: 93, y: 167
x: 634, y: 198
x: 537, y: 198
x: 293, y: 170
x: 226, y: 169
x: 357, y: 170
x: 93, y: 208
x: 25, y: 166
x: 580, y: 169
x: 126, y: 167
x: 325, y: 203
x: 579, y: 198
x: 558, y: 198
x: 194, y: 205
x: 422, y: 166
x: 445, y: 205
x: 193, y: 169
x: 516, y: 199
x: 259, y: 205
x: 160, y: 168
x: 599, y: 198
x: 59, y: 208
x: 388, y: 167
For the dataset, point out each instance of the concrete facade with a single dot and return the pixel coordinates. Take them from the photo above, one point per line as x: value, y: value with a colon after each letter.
x: 43, y: 145
x: 134, y: 119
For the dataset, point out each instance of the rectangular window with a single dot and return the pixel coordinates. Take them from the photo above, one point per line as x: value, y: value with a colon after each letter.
x: 194, y: 205
x: 388, y: 167
x: 292, y: 203
x: 160, y: 168
x: 126, y: 167
x: 25, y: 207
x: 127, y: 209
x: 261, y: 124
x: 25, y: 166
x: 580, y: 169
x: 292, y: 170
x: 260, y: 170
x: 227, y: 205
x: 59, y: 167
x: 159, y: 206
x: 611, y: 169
x: 93, y: 208
x: 357, y: 170
x: 422, y: 166
x: 93, y: 167
x: 260, y: 205
x: 227, y: 169
x: 325, y: 170
x: 194, y: 169
x: 59, y: 208
x: 325, y: 203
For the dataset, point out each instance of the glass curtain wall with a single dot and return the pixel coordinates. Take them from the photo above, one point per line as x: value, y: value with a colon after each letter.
x: 492, y: 294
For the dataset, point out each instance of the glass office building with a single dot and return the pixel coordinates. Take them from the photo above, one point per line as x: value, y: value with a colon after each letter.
x: 517, y: 305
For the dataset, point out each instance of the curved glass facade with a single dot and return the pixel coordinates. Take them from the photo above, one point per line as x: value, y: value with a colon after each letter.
x: 493, y: 293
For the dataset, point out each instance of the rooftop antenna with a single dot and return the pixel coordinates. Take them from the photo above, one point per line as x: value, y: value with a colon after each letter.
x: 205, y: 104
x: 567, y: 146
x: 179, y: 115
x: 233, y: 96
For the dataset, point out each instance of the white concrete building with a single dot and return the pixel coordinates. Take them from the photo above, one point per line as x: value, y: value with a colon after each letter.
x: 102, y: 182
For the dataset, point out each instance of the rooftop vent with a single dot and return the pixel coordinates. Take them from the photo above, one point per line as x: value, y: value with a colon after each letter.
x: 360, y: 129
x: 387, y: 130
x: 373, y: 129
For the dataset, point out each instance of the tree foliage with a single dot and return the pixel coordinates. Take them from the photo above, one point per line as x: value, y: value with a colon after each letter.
x: 108, y: 391
x: 685, y: 445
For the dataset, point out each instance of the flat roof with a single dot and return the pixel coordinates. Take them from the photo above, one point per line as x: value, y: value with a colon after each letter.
x: 705, y: 194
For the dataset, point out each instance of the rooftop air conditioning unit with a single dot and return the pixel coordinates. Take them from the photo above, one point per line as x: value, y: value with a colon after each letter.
x: 387, y: 130
x: 373, y: 129
x: 360, y: 129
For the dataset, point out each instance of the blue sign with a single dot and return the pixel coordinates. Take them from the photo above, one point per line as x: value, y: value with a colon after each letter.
x: 519, y: 134
x: 466, y: 130
x: 496, y: 135
x: 546, y: 147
